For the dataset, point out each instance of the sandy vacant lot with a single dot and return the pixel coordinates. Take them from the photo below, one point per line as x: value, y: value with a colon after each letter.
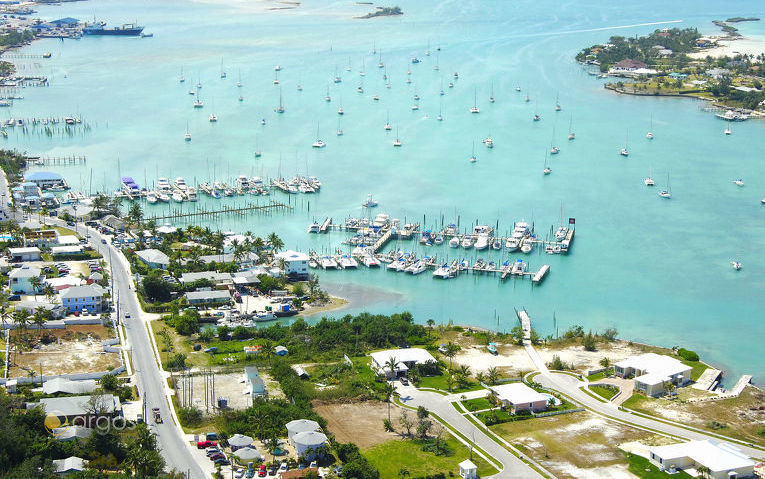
x: 77, y: 349
x: 576, y: 445
x: 513, y: 360
x: 360, y: 422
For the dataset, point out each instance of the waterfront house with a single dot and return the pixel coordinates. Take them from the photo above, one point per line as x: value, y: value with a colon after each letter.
x: 31, y: 253
x: 30, y: 189
x: 406, y: 360
x: 20, y: 280
x: 70, y: 465
x: 253, y: 382
x: 723, y: 460
x: 652, y: 372
x: 90, y: 297
x: 153, y: 258
x: 295, y: 264
x: 211, y: 297
x: 45, y: 180
x: 517, y: 397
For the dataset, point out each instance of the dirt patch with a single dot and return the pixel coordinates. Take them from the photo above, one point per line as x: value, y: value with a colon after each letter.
x: 361, y: 422
x: 742, y: 417
x: 574, y: 445
x: 76, y: 349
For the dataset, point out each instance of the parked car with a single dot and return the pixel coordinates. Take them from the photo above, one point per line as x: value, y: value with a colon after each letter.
x: 261, y: 473
x: 283, y: 467
x: 222, y: 461
x: 211, y: 436
x: 404, y: 381
x: 216, y: 456
x: 239, y: 474
x: 205, y: 444
x: 127, y: 314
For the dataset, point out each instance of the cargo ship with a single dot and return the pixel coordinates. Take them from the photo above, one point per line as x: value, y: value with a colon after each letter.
x: 99, y: 28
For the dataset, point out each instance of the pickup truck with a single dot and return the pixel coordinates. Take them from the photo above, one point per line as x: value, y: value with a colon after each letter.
x: 157, y: 416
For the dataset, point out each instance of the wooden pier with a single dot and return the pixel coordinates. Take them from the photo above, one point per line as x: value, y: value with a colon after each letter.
x: 57, y: 160
x: 239, y: 211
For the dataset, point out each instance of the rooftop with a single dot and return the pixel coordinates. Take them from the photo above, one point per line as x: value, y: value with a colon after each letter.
x: 153, y: 256
x: 63, y: 385
x: 415, y: 355
x: 25, y: 272
x: 43, y: 176
x: 83, y: 291
x: 290, y: 255
x: 517, y: 393
x: 70, y: 464
x: 75, y: 405
x: 207, y: 295
x: 656, y: 364
x: 213, y: 276
x: 717, y: 457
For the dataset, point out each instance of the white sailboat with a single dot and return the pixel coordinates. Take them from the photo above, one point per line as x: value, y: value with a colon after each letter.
x: 318, y: 143
x: 151, y: 197
x: 667, y: 193
x: 557, y: 104
x: 181, y: 79
x: 554, y: 150
x: 474, y: 108
x: 473, y: 159
x: 728, y: 130
x: 624, y: 151
x: 547, y: 170
x: 738, y: 182
x: 187, y: 136
x: 649, y: 135
x: 328, y: 98
x: 280, y: 108
x: 397, y: 141
x: 387, y: 126
x: 648, y: 180
x: 491, y: 96
x: 239, y: 81
x: 571, y: 134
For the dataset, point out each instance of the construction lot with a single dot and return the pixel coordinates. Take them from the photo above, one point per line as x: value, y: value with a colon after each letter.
x: 360, y: 422
x: 227, y: 384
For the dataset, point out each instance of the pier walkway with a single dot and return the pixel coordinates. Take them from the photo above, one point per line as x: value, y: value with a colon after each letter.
x: 226, y: 210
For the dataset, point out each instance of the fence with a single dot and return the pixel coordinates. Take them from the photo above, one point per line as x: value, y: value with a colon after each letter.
x: 555, y: 413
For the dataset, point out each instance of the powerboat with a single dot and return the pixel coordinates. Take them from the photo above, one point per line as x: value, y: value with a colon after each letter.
x: 443, y: 272
x: 370, y: 261
x: 180, y: 183
x: 561, y: 233
x: 467, y: 241
x: 454, y: 242
x: 151, y: 197
x: 369, y: 203
x: 314, y: 228
x: 318, y: 144
x: 178, y: 197
x: 739, y: 182
x: 736, y: 265
x: 191, y: 194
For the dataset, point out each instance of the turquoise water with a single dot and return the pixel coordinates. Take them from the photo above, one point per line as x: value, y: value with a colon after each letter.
x: 656, y: 270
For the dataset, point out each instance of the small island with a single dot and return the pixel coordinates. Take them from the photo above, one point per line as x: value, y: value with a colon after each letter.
x: 384, y: 12
x: 680, y: 62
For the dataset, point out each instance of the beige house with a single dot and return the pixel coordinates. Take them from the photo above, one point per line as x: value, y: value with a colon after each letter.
x: 653, y: 372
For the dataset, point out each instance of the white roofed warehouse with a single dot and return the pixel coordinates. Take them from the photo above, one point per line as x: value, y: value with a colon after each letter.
x: 723, y: 460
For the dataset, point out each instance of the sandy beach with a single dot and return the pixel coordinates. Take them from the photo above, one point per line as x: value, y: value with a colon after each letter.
x: 732, y: 47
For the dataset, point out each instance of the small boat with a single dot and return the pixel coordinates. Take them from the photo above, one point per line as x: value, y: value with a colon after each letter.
x: 419, y: 266
x: 648, y: 181
x: 517, y: 88
x: 213, y: 118
x: 347, y: 262
x: 668, y: 192
x: 443, y: 272
x: 415, y: 107
x: 187, y: 136
x: 492, y: 348
x: 280, y: 108
x: 739, y: 182
x: 474, y: 108
x: 536, y: 117
x: 438, y: 240
x: 473, y: 159
x: 489, y: 142
x: 467, y: 241
x: 571, y: 134
x: 151, y: 197
x: 727, y: 131
x: 397, y: 141
x: 163, y: 197
x: 178, y: 197
x: 454, y: 242
x: 340, y: 111
x: 649, y: 135
x: 491, y: 96
x: 369, y: 203
x: 547, y: 170
x: 319, y: 143
x: 370, y: 261
x: 736, y: 265
x: 241, y: 98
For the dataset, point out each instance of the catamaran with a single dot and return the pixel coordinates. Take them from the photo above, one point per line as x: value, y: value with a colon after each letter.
x: 668, y: 192
x: 318, y: 143
x: 474, y: 108
x: 649, y: 135
x: 547, y: 170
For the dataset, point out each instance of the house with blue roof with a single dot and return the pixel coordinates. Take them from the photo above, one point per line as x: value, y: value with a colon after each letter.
x: 45, y: 179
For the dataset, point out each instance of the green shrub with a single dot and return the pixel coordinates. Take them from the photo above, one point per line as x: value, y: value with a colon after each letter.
x: 687, y: 354
x: 190, y: 416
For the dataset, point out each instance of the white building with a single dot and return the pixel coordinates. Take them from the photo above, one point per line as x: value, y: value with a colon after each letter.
x: 153, y: 258
x: 652, y: 371
x: 405, y: 360
x: 307, y: 442
x: 723, y: 460
x: 70, y: 465
x: 518, y: 397
x: 295, y: 264
x: 216, y: 277
x: 301, y: 425
x: 468, y: 470
x: 31, y: 253
x: 20, y: 280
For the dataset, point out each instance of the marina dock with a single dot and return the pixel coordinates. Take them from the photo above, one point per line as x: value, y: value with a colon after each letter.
x: 225, y: 210
x: 525, y: 321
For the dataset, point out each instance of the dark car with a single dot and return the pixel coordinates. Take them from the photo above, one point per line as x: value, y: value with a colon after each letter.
x: 70, y: 223
x: 222, y: 461
x: 216, y: 456
x: 404, y: 381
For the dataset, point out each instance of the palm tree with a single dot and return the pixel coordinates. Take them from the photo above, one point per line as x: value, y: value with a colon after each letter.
x: 391, y: 365
x: 450, y: 352
x: 275, y: 242
x: 258, y: 244
x: 389, y: 390
x: 38, y: 318
x: 36, y: 282
x: 492, y: 375
x: 21, y: 319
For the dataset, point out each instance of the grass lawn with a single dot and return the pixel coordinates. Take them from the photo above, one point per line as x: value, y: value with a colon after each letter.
x: 439, y: 382
x: 392, y: 456
x: 477, y: 404
x: 698, y: 367
x: 643, y: 468
x: 596, y: 376
x: 604, y: 392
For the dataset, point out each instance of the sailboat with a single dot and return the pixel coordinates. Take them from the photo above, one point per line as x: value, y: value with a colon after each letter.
x: 339, y: 128
x: 648, y: 180
x: 474, y: 108
x: 436, y: 67
x: 213, y: 117
x: 280, y: 109
x: 668, y: 192
x: 442, y: 88
x: 728, y: 131
x: 348, y: 68
x: 427, y: 52
x: 624, y: 151
x: 318, y: 143
x: 489, y: 142
x: 181, y: 79
x: 360, y: 88
x: 440, y: 116
x: 380, y: 63
x: 276, y: 77
x: 387, y: 126
x: 363, y: 69
x: 473, y: 159
x: 554, y: 150
x: 649, y: 135
x: 187, y: 136
x: 397, y: 141
x: 491, y: 96
x: 328, y: 98
x: 239, y: 81
x: 547, y: 170
x: 198, y: 103
x: 258, y: 153
x: 222, y: 71
x: 571, y: 134
x: 557, y: 104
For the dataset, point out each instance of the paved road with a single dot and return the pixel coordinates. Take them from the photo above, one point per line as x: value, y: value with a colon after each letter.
x: 512, y: 467
x: 570, y: 385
